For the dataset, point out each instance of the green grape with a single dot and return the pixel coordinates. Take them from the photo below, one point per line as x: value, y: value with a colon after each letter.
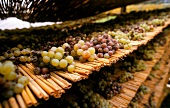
x: 91, y: 50
x: 79, y: 52
x: 63, y: 63
x: 81, y: 42
x: 70, y: 68
x: 11, y: 76
x: 76, y: 47
x: 23, y: 80
x: 127, y: 46
x: 81, y: 59
x: 10, y: 55
x: 50, y: 54
x: 6, y: 55
x: 53, y: 49
x: 106, y: 55
x: 55, y: 62
x: 69, y: 59
x: 2, y: 58
x: 44, y: 53
x: 46, y: 59
x: 58, y: 56
x: 17, y: 53
x: 91, y: 58
x: 73, y: 53
x: 65, y: 45
x: 60, y: 49
x: 7, y: 68
x: 18, y: 88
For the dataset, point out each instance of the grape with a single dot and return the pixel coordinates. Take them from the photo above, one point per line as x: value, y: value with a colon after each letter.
x: 65, y: 45
x: 23, y: 58
x: 91, y: 50
x: 84, y: 47
x: 46, y: 59
x: 10, y: 55
x: 53, y: 49
x: 70, y: 68
x: 100, y: 39
x: 8, y: 93
x: 50, y: 54
x: 88, y: 44
x: 37, y: 70
x: 2, y: 58
x: 100, y: 55
x: 91, y: 58
x: 11, y: 76
x: 23, y: 80
x: 86, y: 54
x: 127, y: 46
x: 44, y: 53
x: 58, y: 56
x: 81, y: 59
x: 97, y: 47
x: 81, y: 42
x: 9, y: 85
x: 104, y: 40
x: 77, y: 46
x: 110, y: 53
x: 7, y: 68
x: 44, y: 70
x: 18, y: 88
x: 63, y: 63
x: 55, y: 62
x: 106, y: 55
x: 69, y: 59
x: 109, y: 47
x: 106, y: 50
x: 110, y: 43
x: 79, y: 52
x: 104, y: 45
x: 20, y: 46
x: 2, y: 80
x: 17, y: 53
x: 60, y: 49
x: 73, y: 53
x: 100, y: 50
x: 5, y: 54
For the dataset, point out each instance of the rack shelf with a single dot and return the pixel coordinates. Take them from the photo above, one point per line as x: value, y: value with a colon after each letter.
x: 130, y: 88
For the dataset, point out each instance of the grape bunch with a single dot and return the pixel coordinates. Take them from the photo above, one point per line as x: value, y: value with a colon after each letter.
x: 125, y: 77
x: 151, y: 76
x: 105, y: 83
x: 131, y: 64
x: 139, y: 96
x: 20, y: 55
x: 56, y: 58
x: 145, y: 54
x: 108, y: 89
x: 10, y: 81
x: 122, y: 38
x: 156, y: 66
x: 104, y: 45
x: 144, y: 89
x: 147, y: 27
x: 158, y: 22
x: 83, y: 51
x: 91, y: 99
